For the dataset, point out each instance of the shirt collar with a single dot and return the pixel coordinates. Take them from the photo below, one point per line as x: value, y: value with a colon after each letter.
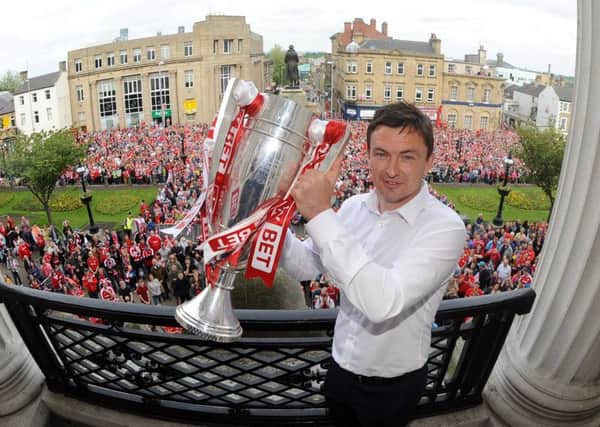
x: 409, y: 211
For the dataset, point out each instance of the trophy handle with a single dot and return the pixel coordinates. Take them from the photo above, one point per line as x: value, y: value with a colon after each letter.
x: 210, y: 314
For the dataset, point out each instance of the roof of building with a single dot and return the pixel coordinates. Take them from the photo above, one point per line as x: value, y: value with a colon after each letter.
x: 38, y: 82
x: 509, y: 91
x: 565, y: 93
x: 532, y: 89
x: 392, y: 44
x: 494, y: 63
x: 7, y: 104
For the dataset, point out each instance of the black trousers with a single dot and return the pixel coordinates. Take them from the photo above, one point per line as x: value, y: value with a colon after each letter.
x: 366, y: 402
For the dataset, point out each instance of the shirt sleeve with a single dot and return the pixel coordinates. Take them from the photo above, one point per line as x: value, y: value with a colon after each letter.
x: 379, y: 292
x: 300, y: 258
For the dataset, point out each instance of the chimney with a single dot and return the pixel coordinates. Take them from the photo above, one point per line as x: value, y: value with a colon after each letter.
x: 384, y: 28
x: 373, y: 24
x: 436, y: 44
x: 347, y: 27
x: 549, y: 68
x: 23, y: 75
x: 180, y: 29
x: 124, y: 34
x: 158, y: 33
x: 482, y: 55
x: 499, y: 60
x: 62, y: 66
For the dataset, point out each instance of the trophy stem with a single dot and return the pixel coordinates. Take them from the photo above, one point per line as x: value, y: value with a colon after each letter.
x: 210, y: 314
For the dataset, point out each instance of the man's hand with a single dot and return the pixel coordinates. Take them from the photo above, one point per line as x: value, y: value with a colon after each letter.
x: 313, y: 190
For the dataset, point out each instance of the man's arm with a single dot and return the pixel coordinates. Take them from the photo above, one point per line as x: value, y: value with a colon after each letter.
x: 379, y: 292
x: 299, y: 258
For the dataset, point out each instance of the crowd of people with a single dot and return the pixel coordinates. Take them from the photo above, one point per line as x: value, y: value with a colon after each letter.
x: 146, y: 266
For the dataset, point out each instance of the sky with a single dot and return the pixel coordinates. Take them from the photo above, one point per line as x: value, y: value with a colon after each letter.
x: 531, y: 34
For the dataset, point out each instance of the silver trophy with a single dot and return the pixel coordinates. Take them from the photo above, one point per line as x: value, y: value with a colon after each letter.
x: 275, y: 145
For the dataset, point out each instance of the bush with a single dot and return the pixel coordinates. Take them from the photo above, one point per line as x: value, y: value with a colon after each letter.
x: 6, y: 198
x: 531, y: 201
x: 59, y: 202
x: 480, y: 201
x: 116, y: 203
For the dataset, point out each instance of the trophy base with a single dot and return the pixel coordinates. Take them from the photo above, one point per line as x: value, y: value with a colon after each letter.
x: 210, y: 314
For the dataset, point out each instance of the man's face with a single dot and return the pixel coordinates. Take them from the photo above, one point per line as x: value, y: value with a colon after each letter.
x: 397, y: 162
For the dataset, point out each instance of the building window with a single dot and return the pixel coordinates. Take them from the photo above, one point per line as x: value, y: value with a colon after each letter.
x: 123, y: 57
x: 468, y: 69
x: 400, y: 69
x: 78, y: 66
x: 470, y: 94
x: 22, y: 100
x: 431, y: 70
x: 388, y: 67
x: 369, y: 68
x: 368, y: 92
x: 486, y: 95
x: 81, y: 116
x: 49, y: 114
x: 36, y: 117
x: 47, y: 93
x: 137, y: 55
x: 228, y: 46
x: 98, y: 62
x: 34, y: 96
x: 452, y: 68
x: 151, y: 54
x: 452, y: 121
x: 187, y: 49
x: 110, y: 59
x: 351, y: 67
x: 468, y: 122
x: 453, y: 92
x: 107, y: 98
x: 215, y: 46
x: 132, y: 95
x: 483, y: 122
x: 22, y: 119
x: 418, y: 95
x: 564, y: 107
x: 563, y: 123
x: 225, y: 76
x: 160, y: 93
x: 430, y: 94
x: 189, y: 78
x: 399, y: 94
x: 351, y: 92
x: 240, y: 45
x: 79, y: 92
x: 387, y: 93
x: 420, y: 69
x: 165, y: 52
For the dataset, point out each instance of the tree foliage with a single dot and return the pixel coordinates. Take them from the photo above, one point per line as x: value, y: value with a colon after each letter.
x: 40, y: 158
x: 277, y: 57
x: 9, y: 82
x: 542, y: 153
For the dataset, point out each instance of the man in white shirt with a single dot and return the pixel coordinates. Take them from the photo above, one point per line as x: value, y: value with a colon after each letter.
x: 391, y: 253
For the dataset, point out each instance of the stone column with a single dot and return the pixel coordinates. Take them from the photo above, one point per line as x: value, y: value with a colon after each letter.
x: 20, y: 378
x: 548, y: 373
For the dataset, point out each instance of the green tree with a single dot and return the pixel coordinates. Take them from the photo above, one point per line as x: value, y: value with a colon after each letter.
x: 542, y: 152
x: 40, y: 158
x: 9, y: 82
x: 277, y: 57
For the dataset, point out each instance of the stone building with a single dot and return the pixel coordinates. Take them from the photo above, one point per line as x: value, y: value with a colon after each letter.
x: 173, y: 78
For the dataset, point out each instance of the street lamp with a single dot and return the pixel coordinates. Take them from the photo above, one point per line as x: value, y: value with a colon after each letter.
x: 183, y: 155
x: 331, y: 88
x: 504, y: 191
x: 86, y: 199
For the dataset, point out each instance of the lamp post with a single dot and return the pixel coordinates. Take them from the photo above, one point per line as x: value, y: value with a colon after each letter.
x: 504, y: 191
x: 331, y: 88
x: 183, y: 155
x: 86, y: 199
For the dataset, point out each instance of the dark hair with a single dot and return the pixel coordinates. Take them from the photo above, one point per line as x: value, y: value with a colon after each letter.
x: 402, y: 115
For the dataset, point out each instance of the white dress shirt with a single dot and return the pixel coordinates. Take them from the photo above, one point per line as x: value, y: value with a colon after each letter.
x: 392, y: 269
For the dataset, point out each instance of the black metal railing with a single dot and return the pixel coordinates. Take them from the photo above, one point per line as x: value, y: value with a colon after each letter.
x: 271, y: 376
